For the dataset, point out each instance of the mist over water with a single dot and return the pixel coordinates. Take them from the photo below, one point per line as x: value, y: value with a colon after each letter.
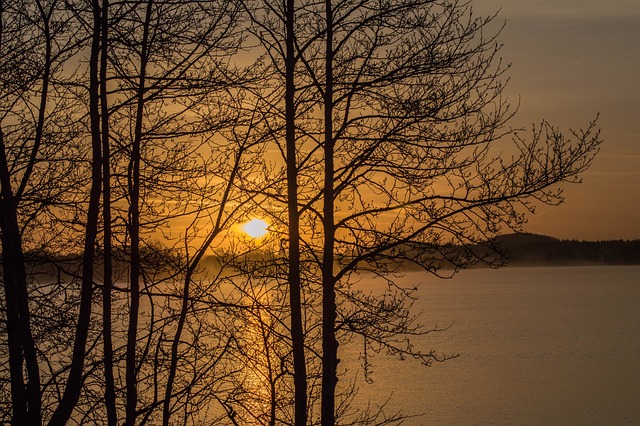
x: 553, y: 346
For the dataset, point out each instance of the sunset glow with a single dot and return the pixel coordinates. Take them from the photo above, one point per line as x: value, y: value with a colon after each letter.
x: 256, y: 228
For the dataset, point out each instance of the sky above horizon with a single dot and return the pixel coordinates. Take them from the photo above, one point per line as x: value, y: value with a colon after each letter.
x: 570, y: 60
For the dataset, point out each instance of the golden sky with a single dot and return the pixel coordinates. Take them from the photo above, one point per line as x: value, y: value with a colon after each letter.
x: 572, y: 59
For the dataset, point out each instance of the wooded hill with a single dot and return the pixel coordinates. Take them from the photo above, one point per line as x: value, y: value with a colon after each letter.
x: 539, y: 250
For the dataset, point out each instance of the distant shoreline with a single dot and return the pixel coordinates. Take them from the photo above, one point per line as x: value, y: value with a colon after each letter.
x: 520, y: 250
x: 541, y: 250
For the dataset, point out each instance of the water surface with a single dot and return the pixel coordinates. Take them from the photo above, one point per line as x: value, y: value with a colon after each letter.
x: 553, y: 346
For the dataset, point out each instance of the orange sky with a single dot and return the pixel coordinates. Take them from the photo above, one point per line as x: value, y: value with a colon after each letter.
x: 572, y: 59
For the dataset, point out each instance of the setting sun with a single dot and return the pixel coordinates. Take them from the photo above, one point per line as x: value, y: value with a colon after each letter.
x: 256, y: 228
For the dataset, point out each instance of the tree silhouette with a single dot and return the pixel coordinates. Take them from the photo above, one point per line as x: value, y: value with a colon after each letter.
x: 400, y: 133
x: 164, y: 132
x: 36, y: 41
x: 136, y: 135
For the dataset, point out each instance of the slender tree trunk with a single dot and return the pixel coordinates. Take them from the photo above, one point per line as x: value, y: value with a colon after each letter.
x: 11, y: 262
x: 9, y: 279
x: 265, y: 331
x: 166, y: 405
x: 191, y: 268
x: 74, y: 381
x: 34, y: 414
x: 109, y: 391
x: 134, y: 231
x: 26, y: 400
x: 10, y: 267
x: 26, y: 405
x: 297, y: 333
x: 329, y: 342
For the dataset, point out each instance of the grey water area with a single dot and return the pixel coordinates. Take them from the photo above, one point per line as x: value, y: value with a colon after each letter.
x: 538, y: 346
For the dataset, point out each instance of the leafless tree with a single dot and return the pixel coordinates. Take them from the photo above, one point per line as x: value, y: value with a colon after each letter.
x: 413, y: 117
x: 400, y: 136
x: 135, y: 135
x: 171, y: 87
x: 159, y: 102
x: 275, y: 27
x: 36, y: 41
x: 74, y: 383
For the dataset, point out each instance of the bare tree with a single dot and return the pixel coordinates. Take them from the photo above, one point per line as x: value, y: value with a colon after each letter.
x: 36, y: 40
x: 404, y: 161
x: 74, y: 383
x: 297, y: 337
x: 370, y: 134
x: 178, y: 136
x: 413, y: 112
x: 107, y: 278
x: 276, y: 29
x: 163, y: 125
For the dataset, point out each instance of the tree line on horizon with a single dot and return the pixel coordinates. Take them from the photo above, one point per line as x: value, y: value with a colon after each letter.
x: 368, y: 133
x: 522, y: 249
x: 533, y: 250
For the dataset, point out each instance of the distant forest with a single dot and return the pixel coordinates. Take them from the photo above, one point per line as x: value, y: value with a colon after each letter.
x: 522, y: 249
x: 541, y: 250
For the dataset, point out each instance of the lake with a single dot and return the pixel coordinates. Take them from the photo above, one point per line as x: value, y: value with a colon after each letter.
x: 552, y: 346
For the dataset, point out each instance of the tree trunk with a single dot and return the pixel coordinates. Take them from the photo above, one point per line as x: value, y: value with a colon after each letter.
x: 109, y: 390
x: 134, y: 231
x: 14, y: 277
x: 26, y: 405
x: 297, y: 333
x: 74, y: 381
x: 26, y: 400
x: 329, y: 342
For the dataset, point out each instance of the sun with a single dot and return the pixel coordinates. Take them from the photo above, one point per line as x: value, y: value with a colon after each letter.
x: 256, y: 228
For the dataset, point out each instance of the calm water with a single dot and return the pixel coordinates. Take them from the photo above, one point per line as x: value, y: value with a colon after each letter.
x: 552, y: 346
